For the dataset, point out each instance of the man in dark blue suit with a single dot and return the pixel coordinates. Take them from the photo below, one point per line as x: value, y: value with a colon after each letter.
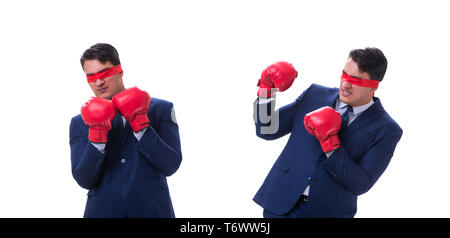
x: 341, y: 140
x: 124, y: 144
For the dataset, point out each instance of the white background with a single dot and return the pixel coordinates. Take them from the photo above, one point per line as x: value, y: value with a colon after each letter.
x: 206, y: 57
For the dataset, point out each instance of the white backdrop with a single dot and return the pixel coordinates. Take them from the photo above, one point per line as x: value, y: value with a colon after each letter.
x: 206, y: 57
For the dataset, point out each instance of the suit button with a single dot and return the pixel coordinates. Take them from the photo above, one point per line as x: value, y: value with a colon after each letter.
x: 122, y: 161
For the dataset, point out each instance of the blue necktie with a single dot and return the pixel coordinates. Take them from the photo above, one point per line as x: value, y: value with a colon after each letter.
x: 345, y: 118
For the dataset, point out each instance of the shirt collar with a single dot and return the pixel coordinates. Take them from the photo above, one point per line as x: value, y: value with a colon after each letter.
x: 124, y: 121
x: 356, y: 109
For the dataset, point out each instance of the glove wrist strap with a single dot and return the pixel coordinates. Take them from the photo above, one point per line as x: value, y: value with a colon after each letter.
x: 331, y: 143
x: 140, y: 122
x: 98, y: 135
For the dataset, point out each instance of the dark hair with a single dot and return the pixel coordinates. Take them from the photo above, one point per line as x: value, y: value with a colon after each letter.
x: 102, y: 52
x: 370, y: 60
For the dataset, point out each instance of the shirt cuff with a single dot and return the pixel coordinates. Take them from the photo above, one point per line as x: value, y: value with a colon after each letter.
x: 265, y: 100
x: 306, y: 192
x: 100, y: 146
x: 329, y: 153
x: 139, y: 134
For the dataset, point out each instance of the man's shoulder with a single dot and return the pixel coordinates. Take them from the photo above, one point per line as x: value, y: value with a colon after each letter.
x: 159, y: 103
x: 390, y: 122
x: 160, y: 107
x: 76, y: 122
x: 387, y: 120
x: 77, y: 118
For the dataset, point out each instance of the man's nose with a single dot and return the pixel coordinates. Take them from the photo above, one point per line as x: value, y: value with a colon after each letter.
x: 99, y: 82
x: 346, y: 85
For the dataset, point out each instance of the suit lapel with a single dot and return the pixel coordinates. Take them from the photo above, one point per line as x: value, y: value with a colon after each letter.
x: 116, y: 126
x: 120, y: 134
x: 331, y: 99
x: 128, y: 131
x: 367, y: 116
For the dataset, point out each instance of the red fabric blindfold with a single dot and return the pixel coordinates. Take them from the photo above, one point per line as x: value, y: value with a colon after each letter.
x: 104, y: 74
x: 360, y: 82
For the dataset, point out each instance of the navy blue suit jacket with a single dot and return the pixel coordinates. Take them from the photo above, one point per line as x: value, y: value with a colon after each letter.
x: 129, y: 179
x: 367, y: 146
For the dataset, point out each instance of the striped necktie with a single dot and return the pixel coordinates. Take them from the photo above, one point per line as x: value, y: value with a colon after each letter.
x: 345, y: 117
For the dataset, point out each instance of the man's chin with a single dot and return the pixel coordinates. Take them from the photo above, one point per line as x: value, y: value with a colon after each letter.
x: 344, y: 99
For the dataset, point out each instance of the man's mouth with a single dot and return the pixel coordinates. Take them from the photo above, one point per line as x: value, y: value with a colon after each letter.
x: 102, y: 90
x: 345, y: 93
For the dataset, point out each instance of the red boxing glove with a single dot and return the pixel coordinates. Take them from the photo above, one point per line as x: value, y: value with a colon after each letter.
x: 98, y: 114
x: 133, y: 104
x: 280, y: 75
x: 324, y: 123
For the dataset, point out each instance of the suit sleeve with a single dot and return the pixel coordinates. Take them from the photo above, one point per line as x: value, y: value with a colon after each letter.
x: 360, y: 177
x: 87, y: 161
x: 270, y: 124
x: 163, y: 149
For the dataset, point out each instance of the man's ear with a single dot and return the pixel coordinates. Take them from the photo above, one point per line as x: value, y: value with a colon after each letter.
x: 373, y: 91
x: 121, y: 79
x: 121, y: 76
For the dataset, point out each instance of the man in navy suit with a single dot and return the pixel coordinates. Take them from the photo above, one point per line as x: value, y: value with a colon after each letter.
x: 124, y: 144
x: 341, y: 140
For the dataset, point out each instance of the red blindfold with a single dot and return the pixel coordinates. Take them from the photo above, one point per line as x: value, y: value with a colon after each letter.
x: 104, y: 74
x: 360, y: 82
